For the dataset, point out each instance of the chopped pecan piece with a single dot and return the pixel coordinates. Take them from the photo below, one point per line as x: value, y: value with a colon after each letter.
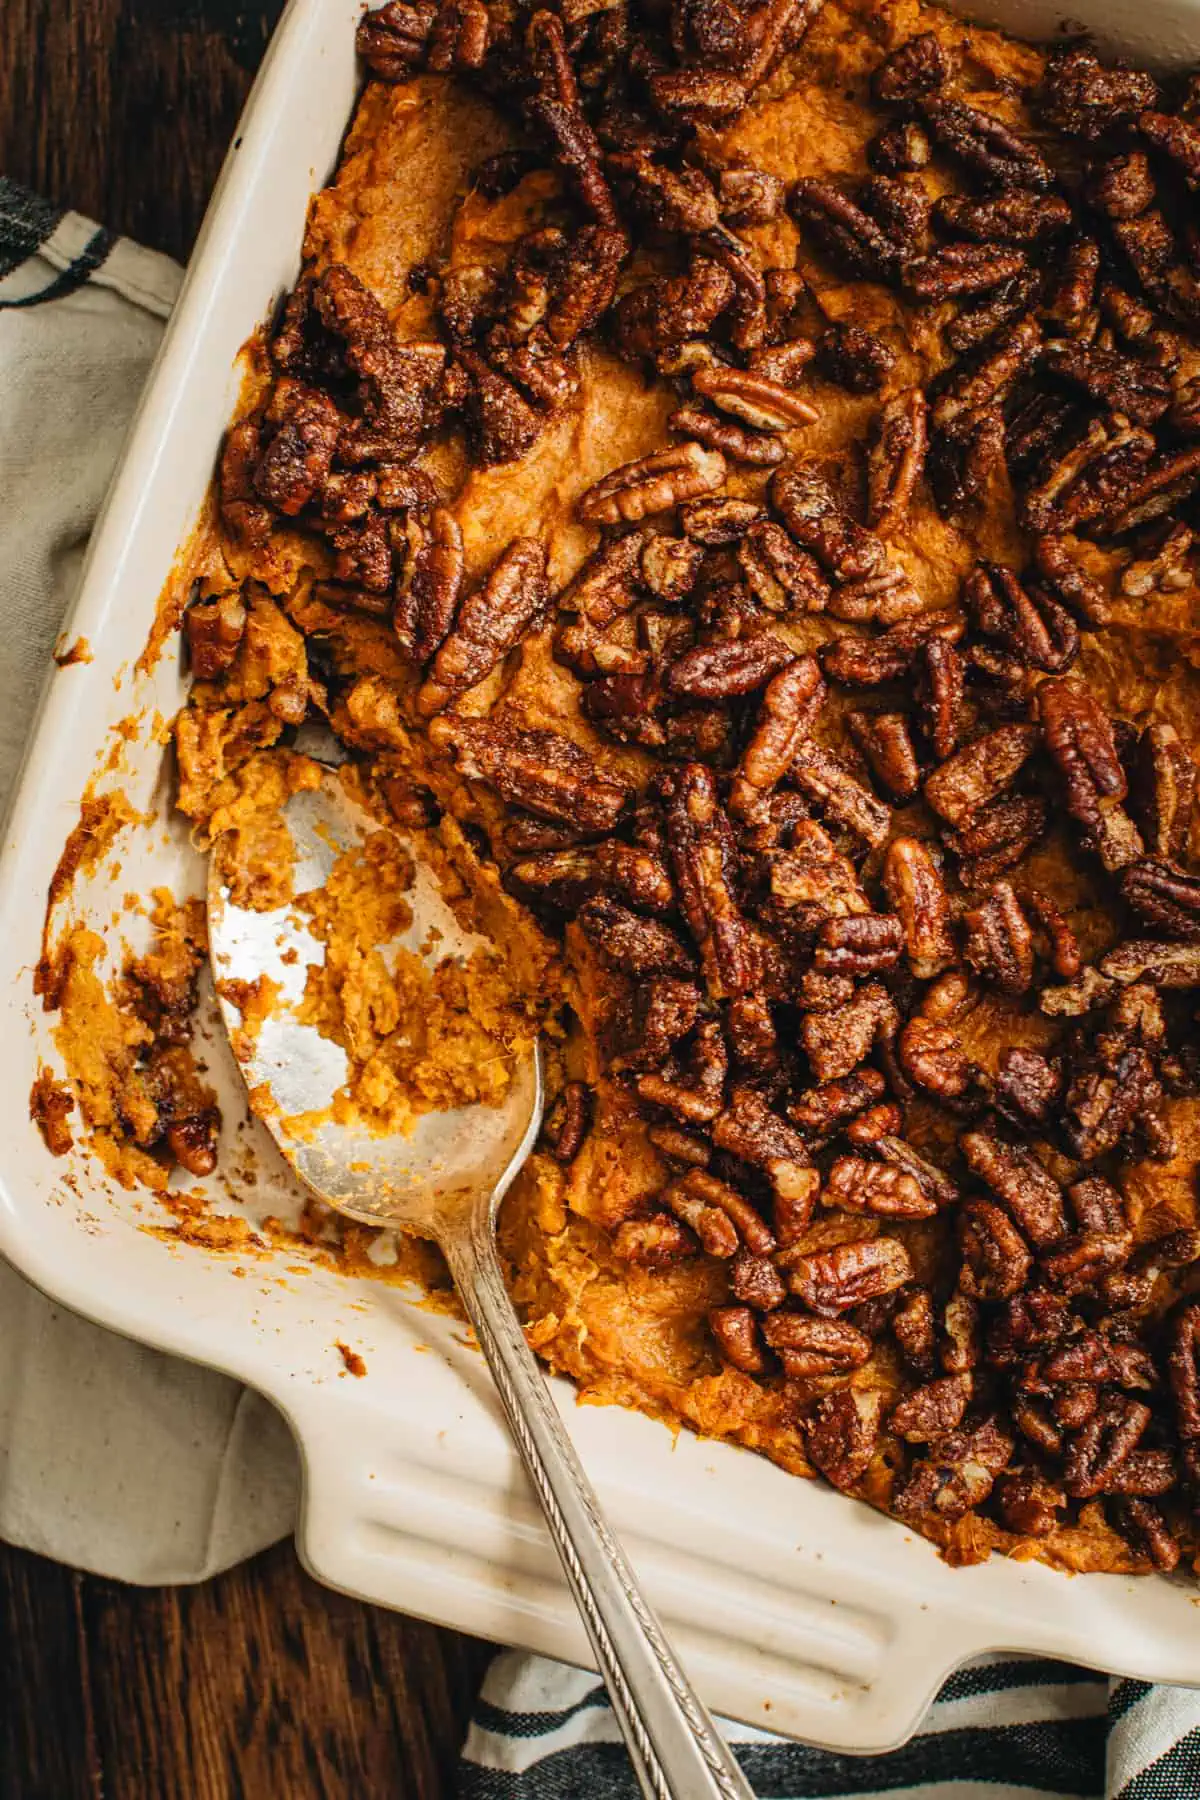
x: 913, y: 1329
x: 886, y: 744
x: 1025, y: 619
x: 856, y: 1185
x: 842, y: 1433
x: 1164, y: 787
x: 914, y: 886
x: 651, y: 484
x: 214, y: 629
x: 996, y: 1258
x: 809, y: 1348
x: 1163, y: 897
x: 999, y: 941
x: 715, y: 523
x: 836, y: 1042
x: 812, y: 874
x: 638, y: 945
x: 490, y: 623
x: 1084, y: 99
x: 1029, y: 1502
x: 895, y: 460
x: 749, y: 196
x: 669, y: 566
x: 540, y: 770
x: 756, y: 1282
x: 900, y: 149
x: 832, y: 1281
x: 974, y: 775
x: 698, y: 96
x: 1028, y: 1086
x: 736, y: 1331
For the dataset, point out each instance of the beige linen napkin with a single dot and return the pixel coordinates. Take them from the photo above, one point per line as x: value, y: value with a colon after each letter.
x: 112, y: 1457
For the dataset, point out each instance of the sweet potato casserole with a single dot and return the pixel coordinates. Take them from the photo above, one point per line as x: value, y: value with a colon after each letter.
x: 726, y: 473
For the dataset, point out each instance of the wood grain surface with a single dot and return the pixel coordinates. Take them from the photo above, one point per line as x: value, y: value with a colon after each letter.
x: 260, y: 1685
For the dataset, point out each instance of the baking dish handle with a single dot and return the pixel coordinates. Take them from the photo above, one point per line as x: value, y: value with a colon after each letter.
x: 676, y: 1750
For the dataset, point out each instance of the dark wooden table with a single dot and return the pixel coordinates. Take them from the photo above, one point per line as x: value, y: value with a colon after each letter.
x: 260, y: 1684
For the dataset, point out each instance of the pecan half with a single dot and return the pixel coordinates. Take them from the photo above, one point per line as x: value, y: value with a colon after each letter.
x: 1083, y: 99
x: 860, y: 945
x: 856, y: 1185
x: 1031, y: 1194
x: 490, y: 623
x: 984, y: 145
x: 1028, y: 1086
x: 704, y: 859
x: 724, y: 670
x: 832, y: 1281
x: 1163, y: 897
x: 958, y: 1474
x: 886, y: 744
x: 1163, y: 791
x: 999, y: 941
x: 914, y: 887
x: 996, y: 1258
x: 895, y: 460
x: 750, y: 1130
x: 651, y: 484
x: 655, y: 319
x: 969, y: 390
x: 1093, y: 1456
x: 816, y: 518
x: 1079, y: 736
x: 781, y: 577
x: 1025, y: 619
x: 854, y: 358
x: 931, y: 1054
x: 566, y: 878
x: 932, y: 1410
x: 974, y: 775
x: 1109, y: 379
x: 823, y: 1110
x: 838, y: 793
x: 540, y: 770
x: 1015, y: 216
x: 638, y: 945
x: 849, y: 236
x: 809, y: 1348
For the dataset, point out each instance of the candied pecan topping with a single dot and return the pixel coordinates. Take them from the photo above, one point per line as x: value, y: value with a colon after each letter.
x: 810, y: 1347
x: 895, y: 460
x: 1095, y: 1453
x: 832, y: 1281
x: 781, y: 577
x: 1110, y: 379
x: 839, y: 794
x: 727, y: 438
x: 1029, y: 1502
x: 959, y: 1473
x: 656, y: 318
x: 940, y: 682
x: 900, y: 148
x: 963, y: 269
x: 886, y: 743
x: 814, y: 515
x: 565, y: 878
x: 704, y: 858
x: 1025, y: 619
x: 736, y: 1331
x: 1144, y: 1526
x: 1079, y: 736
x: 393, y: 40
x: 640, y: 946
x: 790, y: 703
x: 652, y: 484
x: 1163, y: 791
x: 835, y: 1042
x: 1015, y: 216
x: 1032, y: 1195
x: 568, y: 1121
x: 490, y: 623
x: 930, y: 1411
x: 540, y: 770
x: 976, y: 774
x: 1163, y: 897
x: 996, y: 1258
x: 914, y: 887
x: 856, y: 1185
x: 750, y: 1130
x: 1083, y: 99
x: 918, y: 67
x: 723, y: 670
x: 823, y: 1110
x: 653, y: 1242
x: 847, y: 234
x: 931, y: 1054
x: 214, y: 630
x: 1069, y: 580
x: 842, y: 1433
x: 854, y: 358
x: 753, y: 398
x: 1028, y: 1086
x: 999, y: 942
x: 858, y: 945
x: 984, y: 145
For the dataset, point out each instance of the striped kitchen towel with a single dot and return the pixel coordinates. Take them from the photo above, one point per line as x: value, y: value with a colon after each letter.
x: 1002, y: 1728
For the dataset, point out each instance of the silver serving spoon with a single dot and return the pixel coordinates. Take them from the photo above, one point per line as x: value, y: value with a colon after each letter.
x: 445, y: 1182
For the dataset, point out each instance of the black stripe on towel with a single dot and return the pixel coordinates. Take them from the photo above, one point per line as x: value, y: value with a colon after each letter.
x: 91, y: 257
x: 1175, y: 1775
x: 26, y: 221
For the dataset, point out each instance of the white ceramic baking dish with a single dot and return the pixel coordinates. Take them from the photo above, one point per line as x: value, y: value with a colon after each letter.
x: 794, y: 1608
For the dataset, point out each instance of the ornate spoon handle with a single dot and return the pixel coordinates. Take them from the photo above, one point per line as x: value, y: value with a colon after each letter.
x: 677, y: 1751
